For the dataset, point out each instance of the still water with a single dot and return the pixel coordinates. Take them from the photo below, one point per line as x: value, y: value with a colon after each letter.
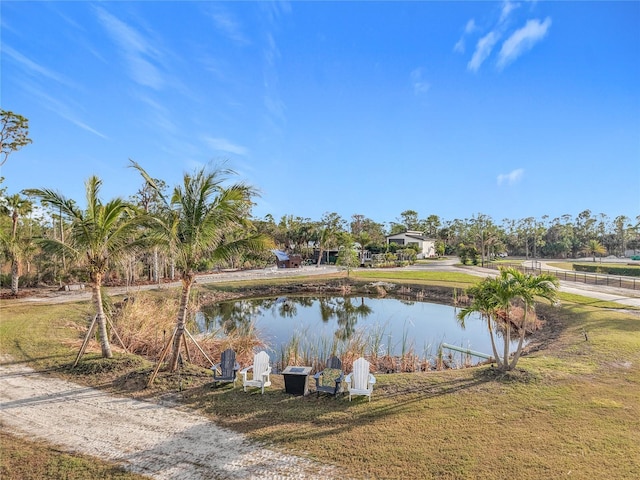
x: 399, y: 325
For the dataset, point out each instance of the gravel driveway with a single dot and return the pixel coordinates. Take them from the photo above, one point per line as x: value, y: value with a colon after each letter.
x: 163, y: 442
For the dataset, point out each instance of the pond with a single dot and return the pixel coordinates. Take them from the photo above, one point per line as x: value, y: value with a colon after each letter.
x: 386, y: 326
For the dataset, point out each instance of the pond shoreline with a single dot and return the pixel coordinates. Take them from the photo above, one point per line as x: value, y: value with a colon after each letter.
x: 455, y: 297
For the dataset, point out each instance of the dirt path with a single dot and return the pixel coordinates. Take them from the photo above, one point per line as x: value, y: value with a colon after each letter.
x: 231, y: 276
x: 156, y: 440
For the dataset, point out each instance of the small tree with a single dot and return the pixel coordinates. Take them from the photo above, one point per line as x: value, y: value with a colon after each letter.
x: 494, y: 299
x: 348, y: 258
x: 14, y: 133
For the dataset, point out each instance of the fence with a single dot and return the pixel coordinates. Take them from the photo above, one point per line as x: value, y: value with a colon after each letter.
x: 581, y: 277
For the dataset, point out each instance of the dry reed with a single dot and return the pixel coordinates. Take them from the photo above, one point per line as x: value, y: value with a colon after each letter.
x: 145, y: 324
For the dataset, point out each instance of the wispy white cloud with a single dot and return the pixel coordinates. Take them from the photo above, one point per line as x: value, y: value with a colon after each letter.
x: 228, y: 26
x: 138, y: 52
x: 420, y: 86
x: 516, y: 44
x: 483, y: 50
x: 459, y: 46
x: 62, y: 109
x: 84, y: 126
x: 507, y: 8
x: 523, y: 40
x: 511, y: 178
x: 273, y: 103
x: 35, y: 69
x: 159, y: 115
x: 275, y: 10
x: 224, y: 145
x: 271, y: 51
x: 469, y: 28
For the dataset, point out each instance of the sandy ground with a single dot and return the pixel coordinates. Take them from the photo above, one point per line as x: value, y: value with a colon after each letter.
x: 163, y: 441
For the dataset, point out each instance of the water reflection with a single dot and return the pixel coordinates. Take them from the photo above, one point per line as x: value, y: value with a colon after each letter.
x: 394, y: 326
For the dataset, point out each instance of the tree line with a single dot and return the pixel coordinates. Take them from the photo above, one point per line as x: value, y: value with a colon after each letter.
x: 477, y: 239
x: 206, y: 222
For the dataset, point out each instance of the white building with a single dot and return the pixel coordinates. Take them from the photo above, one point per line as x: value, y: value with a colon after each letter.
x: 426, y: 246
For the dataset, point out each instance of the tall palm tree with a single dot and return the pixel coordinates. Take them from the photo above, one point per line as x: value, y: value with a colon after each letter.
x: 202, y: 220
x: 98, y: 236
x: 16, y: 247
x: 494, y: 298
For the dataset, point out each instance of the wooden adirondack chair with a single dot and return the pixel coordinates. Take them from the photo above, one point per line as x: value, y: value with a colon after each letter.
x: 360, y: 381
x: 226, y: 371
x: 261, y: 371
x: 330, y: 379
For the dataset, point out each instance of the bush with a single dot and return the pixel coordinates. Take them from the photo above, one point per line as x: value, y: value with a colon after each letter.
x: 628, y: 271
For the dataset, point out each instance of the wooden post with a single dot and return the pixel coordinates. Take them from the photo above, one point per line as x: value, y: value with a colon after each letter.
x: 163, y: 354
x: 199, y: 348
x: 92, y: 327
x: 186, y: 347
x: 113, y: 329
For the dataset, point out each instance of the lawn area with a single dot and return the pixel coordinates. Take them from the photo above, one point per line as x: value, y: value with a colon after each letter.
x: 571, y: 410
x: 569, y: 265
x: 449, y: 279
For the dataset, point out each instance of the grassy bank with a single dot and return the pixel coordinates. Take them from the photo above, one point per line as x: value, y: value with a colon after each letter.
x: 571, y: 410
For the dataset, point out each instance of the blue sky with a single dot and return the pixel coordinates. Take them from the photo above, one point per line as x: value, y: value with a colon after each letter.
x: 511, y: 109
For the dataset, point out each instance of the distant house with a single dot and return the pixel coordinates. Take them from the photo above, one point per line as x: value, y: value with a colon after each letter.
x: 426, y: 246
x: 284, y: 260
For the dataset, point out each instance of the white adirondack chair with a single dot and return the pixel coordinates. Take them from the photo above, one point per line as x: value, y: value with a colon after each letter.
x: 360, y: 381
x: 261, y: 371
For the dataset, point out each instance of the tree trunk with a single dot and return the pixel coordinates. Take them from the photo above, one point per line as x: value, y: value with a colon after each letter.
x: 523, y: 332
x: 187, y: 281
x: 507, y: 341
x: 493, y: 344
x: 101, y: 318
x: 15, y: 276
x: 156, y: 276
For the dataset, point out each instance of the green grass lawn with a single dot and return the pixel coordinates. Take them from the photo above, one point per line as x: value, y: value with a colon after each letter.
x: 571, y: 410
x: 449, y: 279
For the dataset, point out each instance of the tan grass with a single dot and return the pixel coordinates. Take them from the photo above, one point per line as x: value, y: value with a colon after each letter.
x: 145, y: 325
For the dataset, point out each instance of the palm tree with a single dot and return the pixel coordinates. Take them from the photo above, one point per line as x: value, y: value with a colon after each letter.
x: 593, y: 248
x: 98, y: 237
x: 202, y: 220
x: 484, y: 303
x: 15, y: 246
x: 531, y: 286
x: 494, y: 298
